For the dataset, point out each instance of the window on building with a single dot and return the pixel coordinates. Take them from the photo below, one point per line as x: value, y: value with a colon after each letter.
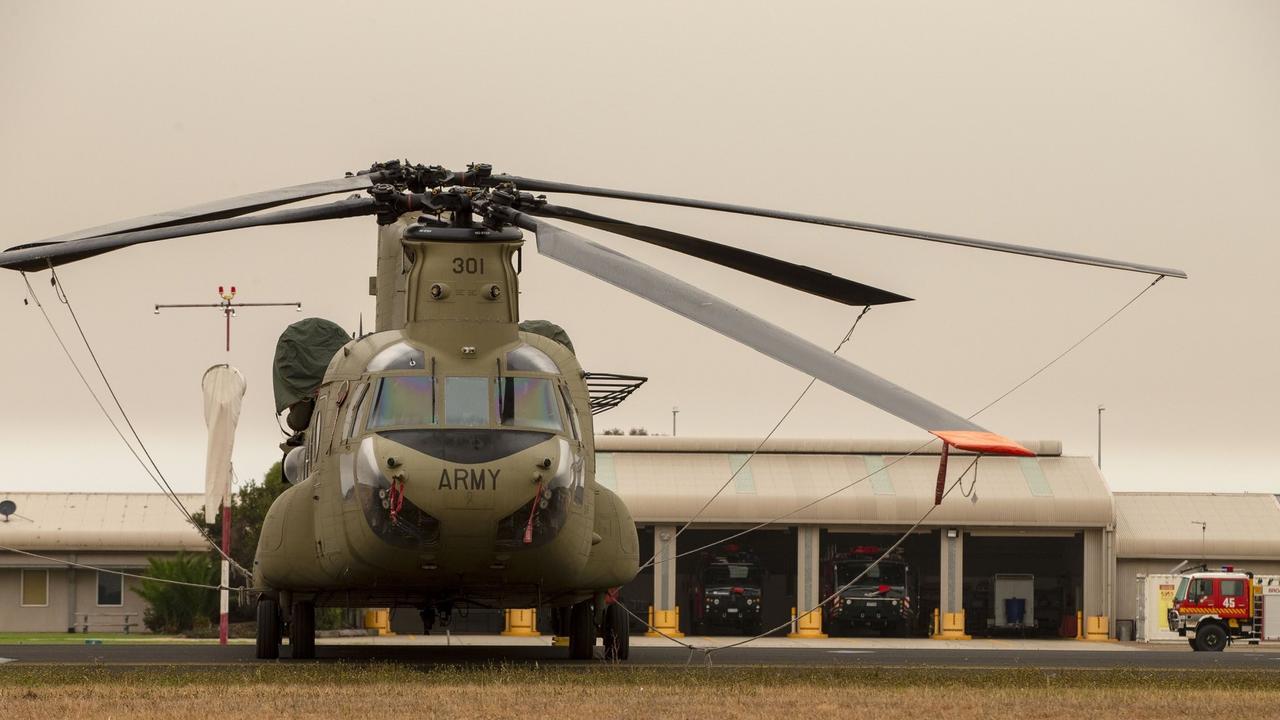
x: 110, y: 589
x: 35, y: 588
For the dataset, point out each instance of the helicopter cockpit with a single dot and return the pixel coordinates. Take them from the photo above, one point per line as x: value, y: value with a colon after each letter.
x: 454, y: 420
x: 525, y: 391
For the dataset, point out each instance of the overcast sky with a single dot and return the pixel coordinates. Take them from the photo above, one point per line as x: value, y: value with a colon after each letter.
x: 1144, y: 131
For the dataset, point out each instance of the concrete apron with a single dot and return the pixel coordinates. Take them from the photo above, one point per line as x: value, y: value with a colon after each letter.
x: 440, y: 640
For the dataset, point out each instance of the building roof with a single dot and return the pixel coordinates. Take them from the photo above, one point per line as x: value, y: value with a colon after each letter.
x: 100, y: 521
x: 839, y: 446
x: 1239, y: 526
x: 664, y: 479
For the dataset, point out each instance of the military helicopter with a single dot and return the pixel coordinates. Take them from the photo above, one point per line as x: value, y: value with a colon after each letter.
x: 449, y: 457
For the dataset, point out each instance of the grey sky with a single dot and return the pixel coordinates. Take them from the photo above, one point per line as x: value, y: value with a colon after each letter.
x: 1143, y: 131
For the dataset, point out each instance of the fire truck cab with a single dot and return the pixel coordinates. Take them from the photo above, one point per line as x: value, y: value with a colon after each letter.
x: 1211, y: 609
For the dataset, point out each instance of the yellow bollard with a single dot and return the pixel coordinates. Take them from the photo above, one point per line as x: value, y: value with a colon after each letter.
x: 521, y: 622
x: 664, y: 622
x: 1099, y: 628
x: 951, y: 626
x: 378, y: 619
x: 1079, y: 625
x: 807, y: 626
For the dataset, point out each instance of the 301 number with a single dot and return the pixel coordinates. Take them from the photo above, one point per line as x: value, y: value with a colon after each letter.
x: 470, y: 266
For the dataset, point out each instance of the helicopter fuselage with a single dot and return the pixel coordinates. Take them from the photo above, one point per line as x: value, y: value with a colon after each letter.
x: 450, y: 460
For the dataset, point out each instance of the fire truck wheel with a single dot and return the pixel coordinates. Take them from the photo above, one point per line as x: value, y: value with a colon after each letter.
x: 1211, y: 638
x: 1192, y: 642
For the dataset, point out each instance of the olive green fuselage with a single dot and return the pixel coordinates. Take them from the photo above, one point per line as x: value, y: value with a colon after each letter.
x: 450, y: 458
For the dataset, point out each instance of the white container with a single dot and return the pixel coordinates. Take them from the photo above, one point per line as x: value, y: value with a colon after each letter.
x: 1155, y: 599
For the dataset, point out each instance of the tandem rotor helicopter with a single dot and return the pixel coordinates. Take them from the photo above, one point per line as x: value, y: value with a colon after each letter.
x: 448, y: 457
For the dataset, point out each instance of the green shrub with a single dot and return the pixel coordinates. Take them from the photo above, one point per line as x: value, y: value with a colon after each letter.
x: 176, y: 608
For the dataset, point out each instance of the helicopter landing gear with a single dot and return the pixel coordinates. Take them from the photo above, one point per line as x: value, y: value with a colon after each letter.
x: 582, y: 631
x: 268, y: 628
x: 302, y: 630
x: 616, y: 632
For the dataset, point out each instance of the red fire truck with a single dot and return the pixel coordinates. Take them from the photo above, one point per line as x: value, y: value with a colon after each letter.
x: 1212, y: 609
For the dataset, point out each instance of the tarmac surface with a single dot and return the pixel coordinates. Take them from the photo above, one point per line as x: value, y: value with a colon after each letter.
x: 434, y: 650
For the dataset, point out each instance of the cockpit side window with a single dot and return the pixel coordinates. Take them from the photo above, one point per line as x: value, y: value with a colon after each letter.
x: 403, y: 400
x: 528, y: 402
x: 354, y: 408
x: 570, y: 414
x: 466, y: 401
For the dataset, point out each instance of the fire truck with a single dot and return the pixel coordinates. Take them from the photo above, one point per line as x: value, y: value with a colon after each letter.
x: 1212, y: 609
x: 882, y: 599
x: 726, y: 592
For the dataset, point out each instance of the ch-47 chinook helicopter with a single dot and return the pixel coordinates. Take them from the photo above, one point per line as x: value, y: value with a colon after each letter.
x: 449, y: 457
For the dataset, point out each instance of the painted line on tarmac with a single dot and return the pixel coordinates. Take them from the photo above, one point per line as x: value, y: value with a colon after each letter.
x: 865, y: 652
x: 9, y: 660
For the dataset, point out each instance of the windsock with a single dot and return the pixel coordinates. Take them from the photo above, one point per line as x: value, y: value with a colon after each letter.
x: 223, y: 387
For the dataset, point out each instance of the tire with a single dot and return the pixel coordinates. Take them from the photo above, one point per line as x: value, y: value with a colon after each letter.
x: 268, y: 638
x: 1192, y: 642
x: 582, y: 631
x: 1211, y: 638
x: 302, y: 631
x: 617, y: 633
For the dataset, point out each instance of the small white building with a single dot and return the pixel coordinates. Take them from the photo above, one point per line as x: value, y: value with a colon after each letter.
x: 111, y: 531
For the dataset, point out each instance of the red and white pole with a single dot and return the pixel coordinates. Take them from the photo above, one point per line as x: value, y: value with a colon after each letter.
x: 223, y: 594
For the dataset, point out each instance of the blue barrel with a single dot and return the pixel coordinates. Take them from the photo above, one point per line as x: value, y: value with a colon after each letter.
x: 1015, y: 610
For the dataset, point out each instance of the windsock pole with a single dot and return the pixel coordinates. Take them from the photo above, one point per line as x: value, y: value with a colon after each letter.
x: 224, y: 595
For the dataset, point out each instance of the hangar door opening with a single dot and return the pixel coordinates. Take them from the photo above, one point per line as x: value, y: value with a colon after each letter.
x: 1021, y: 586
x: 735, y: 587
x: 893, y: 599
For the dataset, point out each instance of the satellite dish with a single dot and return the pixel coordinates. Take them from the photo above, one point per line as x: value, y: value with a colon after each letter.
x: 7, y: 508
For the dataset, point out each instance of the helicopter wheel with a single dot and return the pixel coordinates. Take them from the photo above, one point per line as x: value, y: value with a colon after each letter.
x: 582, y: 631
x: 302, y: 631
x: 617, y: 633
x: 268, y: 629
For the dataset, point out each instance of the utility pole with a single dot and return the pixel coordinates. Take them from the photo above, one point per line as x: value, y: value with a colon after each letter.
x: 228, y: 309
x: 1100, y: 409
x: 674, y: 411
x: 1204, y: 526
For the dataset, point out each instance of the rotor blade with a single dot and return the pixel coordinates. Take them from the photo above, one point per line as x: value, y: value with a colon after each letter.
x: 800, y: 277
x: 712, y: 312
x: 219, y: 209
x: 533, y: 185
x: 32, y: 259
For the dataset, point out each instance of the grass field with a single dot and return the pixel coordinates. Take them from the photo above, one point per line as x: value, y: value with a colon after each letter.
x: 348, y: 691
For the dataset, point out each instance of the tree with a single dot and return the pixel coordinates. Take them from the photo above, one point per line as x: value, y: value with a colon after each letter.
x: 637, y: 431
x: 248, y: 510
x: 177, y: 608
x: 612, y: 431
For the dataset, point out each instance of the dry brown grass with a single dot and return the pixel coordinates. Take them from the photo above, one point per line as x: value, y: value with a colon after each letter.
x: 564, y: 693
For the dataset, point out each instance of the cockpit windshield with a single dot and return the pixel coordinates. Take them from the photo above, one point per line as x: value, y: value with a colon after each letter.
x: 403, y: 400
x: 511, y: 401
x: 527, y: 402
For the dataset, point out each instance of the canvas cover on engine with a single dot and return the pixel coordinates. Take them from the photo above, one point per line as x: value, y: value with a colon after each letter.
x: 548, y: 329
x: 303, y: 353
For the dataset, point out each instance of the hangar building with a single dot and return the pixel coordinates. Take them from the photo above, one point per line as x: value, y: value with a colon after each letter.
x: 1050, y: 521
